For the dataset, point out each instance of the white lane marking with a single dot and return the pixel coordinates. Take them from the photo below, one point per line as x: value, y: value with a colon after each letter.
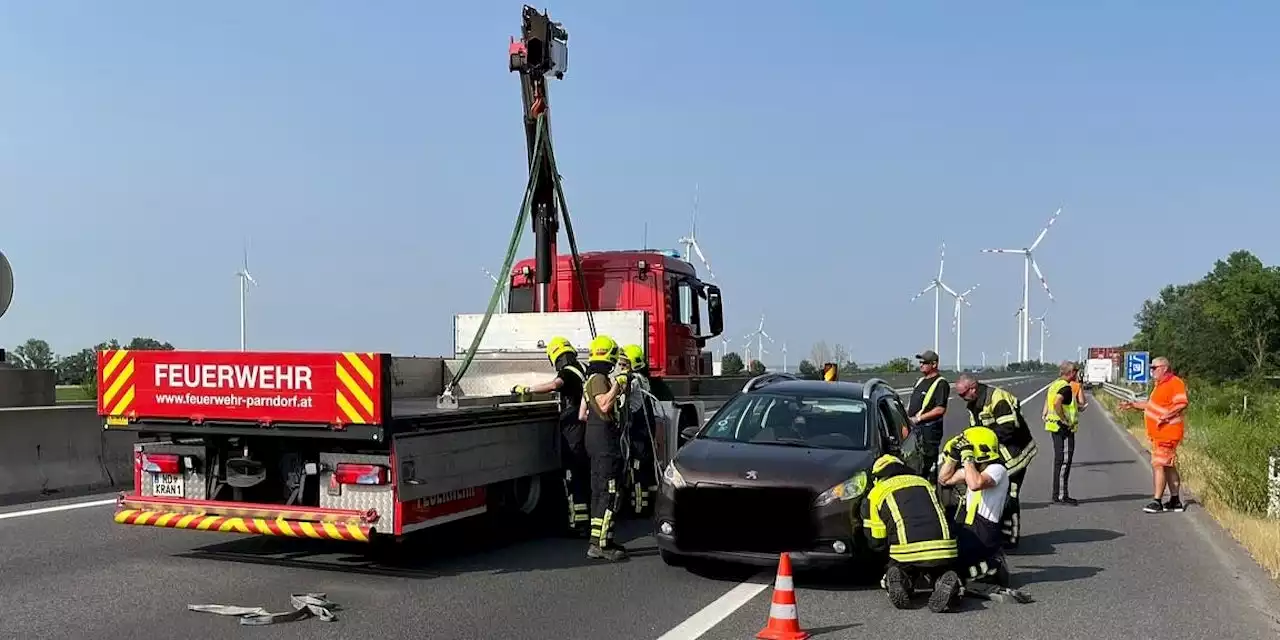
x: 712, y: 614
x: 61, y: 507
x: 1028, y: 398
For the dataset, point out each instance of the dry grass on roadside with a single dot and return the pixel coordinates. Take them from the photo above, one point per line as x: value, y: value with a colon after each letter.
x: 1211, y: 483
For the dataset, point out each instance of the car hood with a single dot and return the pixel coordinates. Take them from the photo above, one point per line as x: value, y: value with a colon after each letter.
x: 720, y: 462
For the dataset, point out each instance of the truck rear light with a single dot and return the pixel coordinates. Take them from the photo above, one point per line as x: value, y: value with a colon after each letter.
x: 368, y: 474
x: 161, y: 463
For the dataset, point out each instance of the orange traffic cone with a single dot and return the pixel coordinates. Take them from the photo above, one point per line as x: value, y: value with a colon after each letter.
x: 784, y: 620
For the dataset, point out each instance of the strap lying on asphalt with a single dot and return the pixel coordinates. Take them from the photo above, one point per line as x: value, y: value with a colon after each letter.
x: 995, y: 593
x: 305, y: 605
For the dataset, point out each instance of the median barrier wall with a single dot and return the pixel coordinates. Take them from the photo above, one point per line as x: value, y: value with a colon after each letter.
x: 27, y: 387
x: 50, y: 452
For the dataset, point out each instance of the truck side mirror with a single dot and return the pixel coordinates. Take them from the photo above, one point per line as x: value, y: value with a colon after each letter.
x: 715, y: 311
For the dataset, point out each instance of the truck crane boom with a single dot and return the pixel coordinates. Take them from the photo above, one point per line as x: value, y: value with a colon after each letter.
x: 541, y: 51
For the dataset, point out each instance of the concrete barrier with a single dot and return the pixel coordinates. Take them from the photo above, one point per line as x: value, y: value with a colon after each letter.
x: 27, y: 387
x: 50, y: 452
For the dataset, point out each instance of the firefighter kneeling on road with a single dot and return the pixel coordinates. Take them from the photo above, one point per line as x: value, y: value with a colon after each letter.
x: 973, y: 459
x: 573, y: 415
x: 604, y: 447
x: 996, y: 409
x: 903, y: 509
x: 642, y: 476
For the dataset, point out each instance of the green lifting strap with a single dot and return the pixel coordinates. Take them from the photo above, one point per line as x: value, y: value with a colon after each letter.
x: 542, y: 150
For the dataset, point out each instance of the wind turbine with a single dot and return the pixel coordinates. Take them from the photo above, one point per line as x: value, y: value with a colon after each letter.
x: 1006, y: 360
x: 245, y: 281
x: 937, y: 286
x: 1044, y: 331
x: 784, y: 356
x: 1029, y: 263
x: 955, y: 322
x: 502, y: 304
x: 984, y: 360
x: 1017, y: 318
x: 760, y: 336
x: 690, y: 242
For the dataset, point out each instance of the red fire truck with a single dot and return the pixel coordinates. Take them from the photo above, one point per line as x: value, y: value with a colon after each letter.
x: 357, y: 446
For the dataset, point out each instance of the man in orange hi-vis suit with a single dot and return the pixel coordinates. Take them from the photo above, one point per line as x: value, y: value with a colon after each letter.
x: 1162, y: 412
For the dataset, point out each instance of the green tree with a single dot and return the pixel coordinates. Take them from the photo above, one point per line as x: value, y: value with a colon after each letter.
x: 808, y: 370
x: 757, y: 368
x: 731, y: 365
x: 898, y: 365
x: 148, y: 344
x: 77, y: 368
x: 34, y: 354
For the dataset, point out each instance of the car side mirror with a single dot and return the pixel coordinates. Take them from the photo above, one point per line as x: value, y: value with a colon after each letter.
x: 689, y: 433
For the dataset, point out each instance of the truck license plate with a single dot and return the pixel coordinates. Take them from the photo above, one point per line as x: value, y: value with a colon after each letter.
x: 169, y: 485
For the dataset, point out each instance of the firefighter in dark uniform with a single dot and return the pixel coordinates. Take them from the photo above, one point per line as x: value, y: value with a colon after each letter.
x: 999, y: 410
x: 642, y: 477
x: 903, y: 510
x: 927, y: 407
x: 569, y: 381
x: 604, y: 447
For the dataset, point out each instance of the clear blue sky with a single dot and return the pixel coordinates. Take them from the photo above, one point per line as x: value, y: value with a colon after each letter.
x: 374, y: 158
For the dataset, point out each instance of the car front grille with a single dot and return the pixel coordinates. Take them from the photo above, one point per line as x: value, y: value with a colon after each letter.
x: 764, y: 520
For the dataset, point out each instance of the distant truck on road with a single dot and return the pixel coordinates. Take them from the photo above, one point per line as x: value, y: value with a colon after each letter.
x: 1098, y: 371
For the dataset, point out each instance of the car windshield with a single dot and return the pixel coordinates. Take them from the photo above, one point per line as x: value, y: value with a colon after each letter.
x: 787, y: 420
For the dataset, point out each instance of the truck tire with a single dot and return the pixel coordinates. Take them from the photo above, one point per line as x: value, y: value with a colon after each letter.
x: 532, y: 503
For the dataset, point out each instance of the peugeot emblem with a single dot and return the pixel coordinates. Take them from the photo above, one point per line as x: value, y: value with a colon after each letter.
x: 751, y: 475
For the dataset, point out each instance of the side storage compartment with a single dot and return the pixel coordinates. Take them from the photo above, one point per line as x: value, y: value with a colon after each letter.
x: 510, y: 468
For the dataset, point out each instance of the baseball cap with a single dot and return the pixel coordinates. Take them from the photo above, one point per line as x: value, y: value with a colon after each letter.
x: 929, y: 355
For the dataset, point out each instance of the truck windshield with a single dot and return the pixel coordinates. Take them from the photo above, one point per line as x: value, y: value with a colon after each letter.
x: 773, y: 419
x: 520, y: 300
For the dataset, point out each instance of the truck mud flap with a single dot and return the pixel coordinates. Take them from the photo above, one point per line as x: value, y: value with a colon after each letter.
x: 234, y: 518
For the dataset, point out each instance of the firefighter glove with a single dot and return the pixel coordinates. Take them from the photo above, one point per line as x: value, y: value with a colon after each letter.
x: 520, y: 390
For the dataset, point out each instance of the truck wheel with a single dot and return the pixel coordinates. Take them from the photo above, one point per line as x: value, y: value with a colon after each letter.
x: 530, y: 503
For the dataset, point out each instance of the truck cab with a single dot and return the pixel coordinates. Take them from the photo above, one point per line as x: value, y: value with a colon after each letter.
x: 659, y: 283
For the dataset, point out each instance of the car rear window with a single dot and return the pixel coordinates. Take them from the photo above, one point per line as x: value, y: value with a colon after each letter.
x: 818, y: 422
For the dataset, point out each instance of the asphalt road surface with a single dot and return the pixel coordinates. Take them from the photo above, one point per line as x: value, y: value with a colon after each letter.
x: 1100, y: 570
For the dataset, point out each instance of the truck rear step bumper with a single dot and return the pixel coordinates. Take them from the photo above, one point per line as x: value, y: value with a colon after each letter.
x: 235, y: 517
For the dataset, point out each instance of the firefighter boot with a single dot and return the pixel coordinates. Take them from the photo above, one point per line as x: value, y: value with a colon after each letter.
x: 898, y: 585
x: 610, y: 553
x: 945, y: 591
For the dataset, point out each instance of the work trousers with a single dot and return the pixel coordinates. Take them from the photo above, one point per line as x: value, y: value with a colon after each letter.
x: 929, y: 437
x: 604, y: 447
x: 920, y: 574
x: 980, y: 554
x: 642, y: 479
x: 1064, y: 451
x: 577, y: 472
x: 1011, y: 519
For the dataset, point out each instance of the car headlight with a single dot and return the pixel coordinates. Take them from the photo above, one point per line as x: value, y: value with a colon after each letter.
x: 847, y: 490
x: 671, y: 475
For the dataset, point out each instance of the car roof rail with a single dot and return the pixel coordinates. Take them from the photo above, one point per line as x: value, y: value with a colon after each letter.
x: 869, y: 385
x: 766, y: 379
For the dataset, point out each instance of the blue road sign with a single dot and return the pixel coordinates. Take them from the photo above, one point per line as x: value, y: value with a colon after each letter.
x: 1137, y: 366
